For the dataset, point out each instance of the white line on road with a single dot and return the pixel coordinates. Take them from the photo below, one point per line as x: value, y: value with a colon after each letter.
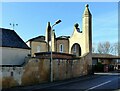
x: 107, y: 73
x: 98, y: 85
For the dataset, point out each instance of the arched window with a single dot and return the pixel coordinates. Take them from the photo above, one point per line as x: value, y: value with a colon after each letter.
x: 61, y: 48
x: 76, y: 49
x: 38, y: 48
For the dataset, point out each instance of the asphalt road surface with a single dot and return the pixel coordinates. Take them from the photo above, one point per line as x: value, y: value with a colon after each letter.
x: 108, y: 82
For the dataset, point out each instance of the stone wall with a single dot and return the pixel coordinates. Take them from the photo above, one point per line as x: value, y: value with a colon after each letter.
x: 11, y: 76
x: 66, y: 69
x: 37, y: 70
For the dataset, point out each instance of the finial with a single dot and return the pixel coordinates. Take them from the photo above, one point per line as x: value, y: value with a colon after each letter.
x: 49, y: 27
x: 87, y: 5
x: 76, y: 25
x: 48, y: 23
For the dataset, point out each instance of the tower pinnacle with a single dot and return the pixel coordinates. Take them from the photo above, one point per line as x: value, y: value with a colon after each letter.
x: 86, y: 11
x: 86, y: 5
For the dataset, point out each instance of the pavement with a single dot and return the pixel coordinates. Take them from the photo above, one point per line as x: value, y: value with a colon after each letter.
x: 108, y: 73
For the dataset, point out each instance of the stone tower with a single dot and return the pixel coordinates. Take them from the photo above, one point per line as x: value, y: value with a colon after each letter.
x: 48, y: 38
x: 48, y: 35
x: 82, y: 39
x: 87, y: 29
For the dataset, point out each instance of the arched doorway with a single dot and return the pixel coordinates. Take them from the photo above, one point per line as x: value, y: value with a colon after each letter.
x: 76, y: 49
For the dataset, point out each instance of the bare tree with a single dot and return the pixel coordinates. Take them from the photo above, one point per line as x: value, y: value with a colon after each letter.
x: 115, y: 48
x: 119, y: 48
x: 93, y: 48
x: 105, y: 48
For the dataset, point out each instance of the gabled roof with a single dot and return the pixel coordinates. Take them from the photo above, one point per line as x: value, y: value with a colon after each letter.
x: 38, y: 39
x: 9, y: 38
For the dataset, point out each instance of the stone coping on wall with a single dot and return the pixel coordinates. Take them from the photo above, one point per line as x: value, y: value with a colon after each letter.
x: 55, y: 55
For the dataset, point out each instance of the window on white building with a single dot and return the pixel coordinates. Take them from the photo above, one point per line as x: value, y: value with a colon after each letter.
x: 61, y: 48
x: 38, y: 48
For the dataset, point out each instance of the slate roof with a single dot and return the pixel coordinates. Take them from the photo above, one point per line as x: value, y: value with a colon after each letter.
x: 63, y: 37
x: 105, y: 56
x: 9, y: 38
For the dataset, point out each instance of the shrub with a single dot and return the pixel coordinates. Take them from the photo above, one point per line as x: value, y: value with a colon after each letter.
x: 100, y: 67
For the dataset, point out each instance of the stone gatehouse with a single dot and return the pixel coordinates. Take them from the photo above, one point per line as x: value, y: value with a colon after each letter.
x: 79, y: 43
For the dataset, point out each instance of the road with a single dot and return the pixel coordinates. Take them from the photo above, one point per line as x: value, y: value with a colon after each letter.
x: 108, y: 82
x: 97, y: 82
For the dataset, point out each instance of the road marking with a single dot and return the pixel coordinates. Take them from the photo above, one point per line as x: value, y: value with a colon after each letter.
x: 98, y: 85
x: 107, y: 73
